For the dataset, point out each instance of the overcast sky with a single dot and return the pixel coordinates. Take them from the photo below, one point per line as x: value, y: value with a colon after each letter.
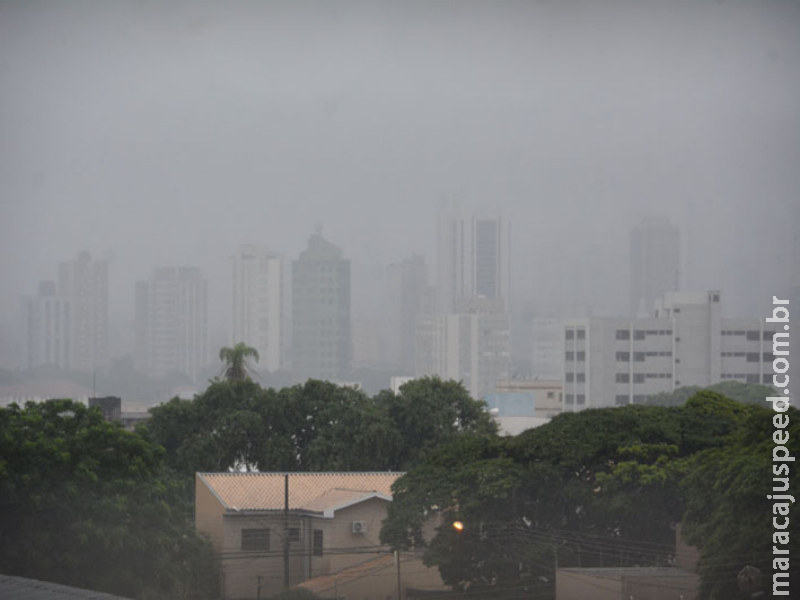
x: 169, y: 133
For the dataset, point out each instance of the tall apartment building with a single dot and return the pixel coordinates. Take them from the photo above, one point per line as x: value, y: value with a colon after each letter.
x: 472, y: 259
x: 408, y: 297
x: 83, y: 282
x: 172, y: 323
x: 321, y: 311
x: 654, y: 263
x: 46, y: 319
x: 471, y: 346
x: 258, y: 315
x: 616, y: 361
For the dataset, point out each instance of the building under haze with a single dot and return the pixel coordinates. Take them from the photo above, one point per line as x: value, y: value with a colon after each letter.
x: 172, y: 323
x: 612, y: 361
x: 408, y: 297
x: 46, y: 319
x: 258, y: 315
x: 472, y: 346
x: 83, y: 283
x: 321, y: 312
x: 472, y: 259
x: 654, y: 263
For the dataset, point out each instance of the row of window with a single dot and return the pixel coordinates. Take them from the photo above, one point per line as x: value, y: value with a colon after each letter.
x: 640, y: 377
x: 640, y: 334
x: 579, y: 356
x: 575, y: 398
x: 623, y: 399
x: 639, y: 356
x: 751, y: 335
x: 571, y: 334
x: 259, y: 539
x: 749, y: 377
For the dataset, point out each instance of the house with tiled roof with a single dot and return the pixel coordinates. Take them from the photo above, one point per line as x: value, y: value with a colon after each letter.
x: 271, y: 530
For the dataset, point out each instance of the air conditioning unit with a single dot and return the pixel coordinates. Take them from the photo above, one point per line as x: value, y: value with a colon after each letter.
x: 359, y: 527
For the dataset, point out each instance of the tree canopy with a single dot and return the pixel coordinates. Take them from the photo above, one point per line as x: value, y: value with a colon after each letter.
x: 85, y: 503
x: 236, y: 360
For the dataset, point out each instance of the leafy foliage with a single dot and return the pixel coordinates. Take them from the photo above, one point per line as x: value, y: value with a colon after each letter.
x: 83, y: 502
x: 236, y: 360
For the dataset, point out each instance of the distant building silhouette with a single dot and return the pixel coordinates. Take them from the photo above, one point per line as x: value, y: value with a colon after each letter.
x: 172, y: 322
x: 321, y: 311
x: 654, y: 263
x: 408, y: 297
x: 83, y: 282
x: 46, y: 318
x: 258, y: 307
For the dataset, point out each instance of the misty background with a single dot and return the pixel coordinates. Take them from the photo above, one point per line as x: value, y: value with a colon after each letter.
x: 155, y: 134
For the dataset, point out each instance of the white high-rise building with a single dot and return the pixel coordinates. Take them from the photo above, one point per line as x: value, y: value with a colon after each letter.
x: 611, y: 361
x: 84, y: 284
x: 172, y: 323
x: 654, y: 263
x: 46, y: 318
x: 258, y: 313
x: 471, y: 346
x: 472, y: 259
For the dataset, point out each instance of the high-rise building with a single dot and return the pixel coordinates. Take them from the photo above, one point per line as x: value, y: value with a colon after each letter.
x: 172, y: 323
x: 471, y: 346
x: 408, y: 296
x: 654, y: 263
x: 258, y: 315
x: 84, y: 284
x: 612, y: 361
x: 472, y: 259
x: 46, y: 319
x: 321, y: 311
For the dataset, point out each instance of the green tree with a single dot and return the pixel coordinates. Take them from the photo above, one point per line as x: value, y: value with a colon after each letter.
x: 84, y: 502
x: 236, y: 360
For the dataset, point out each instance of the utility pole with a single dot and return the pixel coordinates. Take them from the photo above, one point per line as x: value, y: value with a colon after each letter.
x: 397, y: 562
x: 286, y: 531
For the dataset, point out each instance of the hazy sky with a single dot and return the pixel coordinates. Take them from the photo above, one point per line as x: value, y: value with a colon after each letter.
x: 164, y: 133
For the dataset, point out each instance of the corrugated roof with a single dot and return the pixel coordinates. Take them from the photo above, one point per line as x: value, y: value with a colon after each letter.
x: 307, y: 491
x: 21, y: 588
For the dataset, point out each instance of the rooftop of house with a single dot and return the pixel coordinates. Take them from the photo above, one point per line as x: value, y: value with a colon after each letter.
x: 21, y: 588
x: 313, y: 492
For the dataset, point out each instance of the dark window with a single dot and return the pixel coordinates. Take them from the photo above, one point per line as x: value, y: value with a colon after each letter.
x: 570, y: 377
x: 255, y: 539
x: 638, y: 334
x: 551, y: 394
x: 623, y: 356
x: 621, y: 399
x: 767, y: 379
x: 752, y: 378
x: 767, y: 357
x: 569, y: 334
x: 580, y: 399
x: 622, y: 378
x: 638, y: 356
x: 638, y: 378
x: 293, y: 533
x: 767, y: 335
x: 753, y: 336
x: 580, y: 377
x: 752, y: 357
x: 623, y: 334
x: 569, y: 355
x: 581, y: 334
x: 569, y: 398
x: 580, y: 356
x: 317, y: 546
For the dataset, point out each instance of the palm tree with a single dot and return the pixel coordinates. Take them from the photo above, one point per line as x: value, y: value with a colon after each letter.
x: 235, y: 358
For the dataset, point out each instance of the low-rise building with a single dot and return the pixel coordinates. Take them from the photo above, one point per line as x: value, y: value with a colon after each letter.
x: 276, y: 530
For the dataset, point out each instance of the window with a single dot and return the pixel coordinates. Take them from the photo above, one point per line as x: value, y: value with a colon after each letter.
x: 638, y: 378
x: 767, y: 357
x: 255, y: 539
x: 753, y: 336
x: 580, y: 377
x: 316, y: 548
x: 622, y: 378
x: 569, y: 334
x: 638, y: 334
x: 569, y: 355
x: 753, y: 357
x: 570, y: 377
x: 767, y: 379
x: 752, y: 378
x: 638, y: 356
x: 551, y: 395
x: 569, y: 398
x: 621, y: 400
x: 580, y: 399
x: 581, y: 333
x: 623, y: 334
x: 580, y: 356
x: 623, y: 356
x: 293, y: 534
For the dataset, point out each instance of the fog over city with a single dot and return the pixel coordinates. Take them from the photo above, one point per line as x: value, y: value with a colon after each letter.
x: 171, y: 133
